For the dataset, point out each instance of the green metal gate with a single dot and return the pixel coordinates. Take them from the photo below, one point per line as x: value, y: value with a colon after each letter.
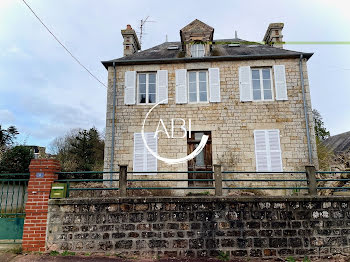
x: 13, y: 196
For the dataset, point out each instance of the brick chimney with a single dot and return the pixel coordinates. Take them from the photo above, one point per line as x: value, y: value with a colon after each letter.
x: 131, y: 43
x: 273, y: 35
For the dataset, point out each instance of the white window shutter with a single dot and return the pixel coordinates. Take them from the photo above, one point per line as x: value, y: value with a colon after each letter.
x: 139, y: 153
x: 162, y: 86
x: 280, y: 82
x: 268, y: 150
x: 181, y: 86
x: 275, y: 150
x: 130, y: 87
x: 143, y: 160
x: 214, y: 84
x: 261, y: 154
x: 245, y: 84
x: 151, y: 161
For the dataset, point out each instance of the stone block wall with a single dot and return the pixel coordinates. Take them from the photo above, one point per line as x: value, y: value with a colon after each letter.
x: 204, y: 226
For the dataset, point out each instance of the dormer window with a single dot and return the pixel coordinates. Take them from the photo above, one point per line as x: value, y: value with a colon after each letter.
x: 196, y: 39
x: 197, y: 50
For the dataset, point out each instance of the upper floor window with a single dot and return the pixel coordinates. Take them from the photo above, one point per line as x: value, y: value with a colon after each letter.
x: 197, y: 50
x: 262, y: 84
x: 146, y: 92
x: 197, y: 86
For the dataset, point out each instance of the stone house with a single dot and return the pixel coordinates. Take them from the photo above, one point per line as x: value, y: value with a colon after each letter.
x: 246, y: 98
x: 38, y: 151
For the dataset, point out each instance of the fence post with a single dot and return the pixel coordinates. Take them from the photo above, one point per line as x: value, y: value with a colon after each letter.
x: 123, y: 179
x: 42, y: 175
x: 218, y: 180
x: 311, y: 180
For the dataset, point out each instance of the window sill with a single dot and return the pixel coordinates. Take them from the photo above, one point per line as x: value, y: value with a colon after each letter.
x: 259, y: 101
x: 200, y: 104
x: 196, y: 103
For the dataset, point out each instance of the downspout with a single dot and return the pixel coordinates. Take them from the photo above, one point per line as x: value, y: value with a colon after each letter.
x: 113, y: 125
x: 305, y: 108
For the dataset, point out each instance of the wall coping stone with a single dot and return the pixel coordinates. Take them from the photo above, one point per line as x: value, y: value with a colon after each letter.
x: 206, y: 199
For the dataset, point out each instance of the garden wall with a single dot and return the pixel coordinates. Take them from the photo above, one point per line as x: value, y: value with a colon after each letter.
x: 201, y: 226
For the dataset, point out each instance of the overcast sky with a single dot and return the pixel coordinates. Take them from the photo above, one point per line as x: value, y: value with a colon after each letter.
x: 45, y: 93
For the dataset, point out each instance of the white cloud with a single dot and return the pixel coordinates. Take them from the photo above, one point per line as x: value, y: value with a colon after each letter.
x: 49, y: 93
x: 6, y: 117
x: 14, y: 51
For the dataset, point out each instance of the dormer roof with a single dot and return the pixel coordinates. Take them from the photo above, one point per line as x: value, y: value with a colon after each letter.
x: 196, y: 31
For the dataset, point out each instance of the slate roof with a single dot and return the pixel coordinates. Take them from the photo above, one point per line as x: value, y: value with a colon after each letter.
x: 220, y: 51
x: 339, y: 143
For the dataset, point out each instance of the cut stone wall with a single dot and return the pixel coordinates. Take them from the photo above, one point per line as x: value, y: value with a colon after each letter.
x: 206, y: 226
x: 231, y: 122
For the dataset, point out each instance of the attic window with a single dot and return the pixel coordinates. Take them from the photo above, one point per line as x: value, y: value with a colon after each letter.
x: 197, y: 50
x: 233, y: 45
x: 173, y: 47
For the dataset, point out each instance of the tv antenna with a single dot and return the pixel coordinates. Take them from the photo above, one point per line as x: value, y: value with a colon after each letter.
x: 142, y: 27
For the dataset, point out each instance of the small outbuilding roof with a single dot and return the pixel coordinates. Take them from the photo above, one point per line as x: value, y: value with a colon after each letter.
x: 339, y: 143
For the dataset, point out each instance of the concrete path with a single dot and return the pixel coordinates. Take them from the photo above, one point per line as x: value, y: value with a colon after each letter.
x: 6, y: 257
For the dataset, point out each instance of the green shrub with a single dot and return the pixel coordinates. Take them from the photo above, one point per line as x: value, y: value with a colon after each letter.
x: 68, y: 253
x: 16, y: 160
x: 54, y: 253
x: 224, y: 256
x: 306, y: 259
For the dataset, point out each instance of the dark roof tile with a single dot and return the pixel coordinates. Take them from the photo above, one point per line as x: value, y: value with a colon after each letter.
x: 220, y: 51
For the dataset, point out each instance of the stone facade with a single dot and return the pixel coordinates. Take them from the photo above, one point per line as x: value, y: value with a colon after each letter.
x: 231, y: 122
x: 198, y: 227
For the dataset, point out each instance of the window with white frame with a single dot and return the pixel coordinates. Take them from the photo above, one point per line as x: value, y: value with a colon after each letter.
x: 146, y: 91
x: 197, y: 86
x: 262, y: 84
x: 197, y: 50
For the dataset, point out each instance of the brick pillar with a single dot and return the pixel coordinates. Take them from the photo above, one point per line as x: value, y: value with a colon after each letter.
x: 42, y: 175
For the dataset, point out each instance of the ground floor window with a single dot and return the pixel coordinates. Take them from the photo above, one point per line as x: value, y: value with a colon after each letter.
x: 202, y: 162
x: 268, y: 150
x: 143, y: 160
